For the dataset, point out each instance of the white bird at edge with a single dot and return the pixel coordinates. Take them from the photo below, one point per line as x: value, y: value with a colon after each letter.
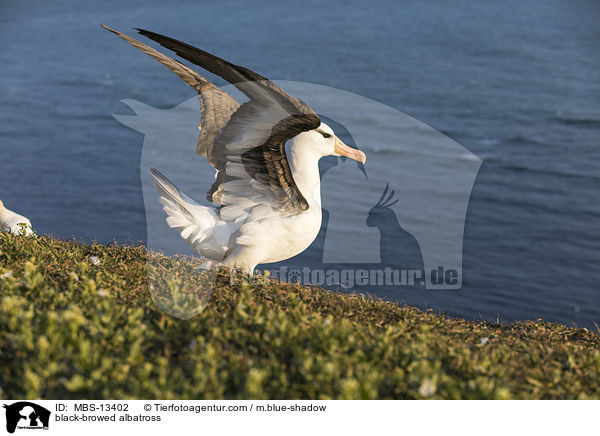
x: 13, y: 222
x: 267, y: 192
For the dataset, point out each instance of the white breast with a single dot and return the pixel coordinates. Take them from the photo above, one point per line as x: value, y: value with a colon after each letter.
x: 289, y: 236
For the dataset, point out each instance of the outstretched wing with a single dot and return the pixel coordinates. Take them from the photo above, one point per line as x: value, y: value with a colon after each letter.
x: 247, y: 143
x: 216, y: 106
x: 256, y: 135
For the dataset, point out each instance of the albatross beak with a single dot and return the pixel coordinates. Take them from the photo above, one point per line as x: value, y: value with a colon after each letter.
x: 352, y: 153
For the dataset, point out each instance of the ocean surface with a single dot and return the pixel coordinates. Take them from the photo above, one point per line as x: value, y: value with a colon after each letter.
x: 517, y: 83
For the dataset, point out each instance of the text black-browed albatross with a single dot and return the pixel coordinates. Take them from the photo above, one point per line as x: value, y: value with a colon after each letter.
x: 267, y: 203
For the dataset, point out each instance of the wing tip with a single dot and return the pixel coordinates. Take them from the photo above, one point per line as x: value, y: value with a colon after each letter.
x: 110, y: 29
x: 145, y: 32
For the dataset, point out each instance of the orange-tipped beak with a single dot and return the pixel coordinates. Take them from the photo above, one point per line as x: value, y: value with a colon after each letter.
x: 352, y: 153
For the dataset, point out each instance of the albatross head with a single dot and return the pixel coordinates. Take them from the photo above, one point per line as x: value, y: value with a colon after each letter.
x: 322, y: 141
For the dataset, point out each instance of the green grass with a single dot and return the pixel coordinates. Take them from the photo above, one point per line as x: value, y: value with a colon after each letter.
x: 70, y: 329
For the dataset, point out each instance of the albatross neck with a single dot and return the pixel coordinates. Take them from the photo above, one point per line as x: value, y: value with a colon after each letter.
x: 305, y: 170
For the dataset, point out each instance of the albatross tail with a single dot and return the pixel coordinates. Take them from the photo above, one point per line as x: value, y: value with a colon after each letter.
x: 194, y: 222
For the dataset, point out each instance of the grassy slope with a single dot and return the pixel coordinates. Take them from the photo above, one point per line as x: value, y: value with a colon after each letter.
x: 71, y: 329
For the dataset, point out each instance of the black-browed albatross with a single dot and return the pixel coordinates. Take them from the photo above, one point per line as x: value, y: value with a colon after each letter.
x: 267, y: 195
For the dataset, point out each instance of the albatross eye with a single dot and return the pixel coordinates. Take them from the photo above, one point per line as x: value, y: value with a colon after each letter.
x: 325, y: 135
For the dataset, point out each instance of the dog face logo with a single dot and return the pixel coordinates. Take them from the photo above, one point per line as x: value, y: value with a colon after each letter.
x: 26, y: 415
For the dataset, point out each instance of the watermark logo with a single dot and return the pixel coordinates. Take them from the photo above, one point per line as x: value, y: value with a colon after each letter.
x: 25, y: 415
x: 396, y: 222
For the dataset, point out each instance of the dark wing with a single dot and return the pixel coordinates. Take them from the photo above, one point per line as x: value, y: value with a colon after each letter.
x: 245, y: 144
x: 254, y: 137
x: 216, y: 106
x: 264, y: 91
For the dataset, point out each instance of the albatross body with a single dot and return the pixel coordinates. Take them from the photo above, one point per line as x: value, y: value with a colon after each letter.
x: 267, y: 193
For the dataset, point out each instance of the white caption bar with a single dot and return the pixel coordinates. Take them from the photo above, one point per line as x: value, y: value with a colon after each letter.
x: 159, y: 417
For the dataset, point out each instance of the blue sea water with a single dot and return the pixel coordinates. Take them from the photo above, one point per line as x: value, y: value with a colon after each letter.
x: 515, y: 82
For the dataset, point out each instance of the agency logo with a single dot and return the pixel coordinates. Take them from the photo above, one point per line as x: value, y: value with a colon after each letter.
x: 395, y: 222
x: 26, y: 416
